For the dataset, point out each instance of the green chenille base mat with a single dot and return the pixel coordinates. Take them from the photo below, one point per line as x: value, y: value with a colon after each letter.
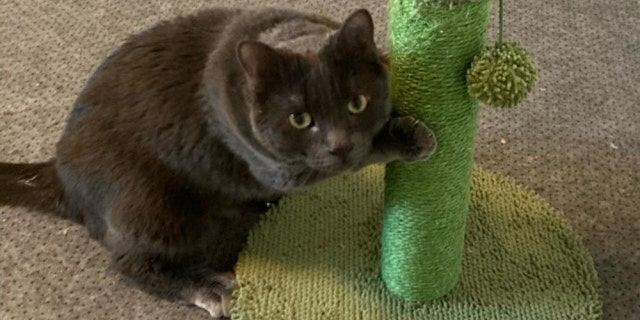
x: 317, y: 256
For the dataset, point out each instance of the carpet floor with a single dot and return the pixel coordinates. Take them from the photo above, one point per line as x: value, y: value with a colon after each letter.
x: 575, y: 142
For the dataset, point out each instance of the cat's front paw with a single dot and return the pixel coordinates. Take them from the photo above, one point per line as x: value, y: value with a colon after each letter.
x: 416, y: 140
x: 217, y: 299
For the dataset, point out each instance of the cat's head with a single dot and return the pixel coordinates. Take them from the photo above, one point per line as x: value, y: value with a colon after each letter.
x: 321, y: 108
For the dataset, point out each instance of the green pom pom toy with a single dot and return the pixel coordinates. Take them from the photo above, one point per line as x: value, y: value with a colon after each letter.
x: 502, y: 75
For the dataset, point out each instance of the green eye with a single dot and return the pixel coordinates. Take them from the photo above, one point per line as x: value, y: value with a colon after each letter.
x: 300, y: 120
x: 357, y: 105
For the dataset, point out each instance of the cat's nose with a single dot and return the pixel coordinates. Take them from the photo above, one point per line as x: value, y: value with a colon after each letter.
x: 342, y: 151
x: 339, y: 144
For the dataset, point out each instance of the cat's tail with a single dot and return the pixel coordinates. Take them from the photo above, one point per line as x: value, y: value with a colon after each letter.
x: 31, y: 185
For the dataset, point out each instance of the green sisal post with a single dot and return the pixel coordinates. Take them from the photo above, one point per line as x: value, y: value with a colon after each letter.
x: 432, y: 44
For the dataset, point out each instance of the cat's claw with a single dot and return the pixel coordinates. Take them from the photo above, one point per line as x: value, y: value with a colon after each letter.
x: 218, y: 300
x: 419, y: 142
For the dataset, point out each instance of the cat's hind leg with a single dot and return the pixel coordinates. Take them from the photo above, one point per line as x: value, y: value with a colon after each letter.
x: 165, y: 240
x: 189, y: 284
x: 217, y: 300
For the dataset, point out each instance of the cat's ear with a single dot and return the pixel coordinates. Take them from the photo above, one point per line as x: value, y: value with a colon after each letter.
x: 356, y: 37
x: 261, y: 64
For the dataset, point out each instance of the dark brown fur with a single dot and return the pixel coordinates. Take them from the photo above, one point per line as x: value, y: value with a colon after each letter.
x: 179, y: 142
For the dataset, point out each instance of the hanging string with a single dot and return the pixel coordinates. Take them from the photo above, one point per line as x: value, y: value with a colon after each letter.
x: 500, y: 13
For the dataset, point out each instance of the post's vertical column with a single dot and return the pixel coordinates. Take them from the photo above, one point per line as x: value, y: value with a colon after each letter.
x: 432, y: 44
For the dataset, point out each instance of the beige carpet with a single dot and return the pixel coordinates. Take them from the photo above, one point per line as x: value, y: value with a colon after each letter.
x: 576, y: 141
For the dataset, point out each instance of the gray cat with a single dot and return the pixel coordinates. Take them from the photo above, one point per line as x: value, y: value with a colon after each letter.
x: 191, y: 130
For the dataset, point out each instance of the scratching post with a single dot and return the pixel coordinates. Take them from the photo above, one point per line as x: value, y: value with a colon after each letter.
x: 432, y: 44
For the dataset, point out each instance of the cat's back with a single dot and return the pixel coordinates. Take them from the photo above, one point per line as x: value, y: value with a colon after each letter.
x: 143, y: 87
x: 163, y: 61
x: 144, y: 102
x: 160, y: 70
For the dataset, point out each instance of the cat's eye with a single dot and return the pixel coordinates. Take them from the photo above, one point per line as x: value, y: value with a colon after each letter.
x: 301, y: 120
x: 358, y: 104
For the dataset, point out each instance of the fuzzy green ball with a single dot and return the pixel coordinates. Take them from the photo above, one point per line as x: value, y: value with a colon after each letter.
x: 502, y: 75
